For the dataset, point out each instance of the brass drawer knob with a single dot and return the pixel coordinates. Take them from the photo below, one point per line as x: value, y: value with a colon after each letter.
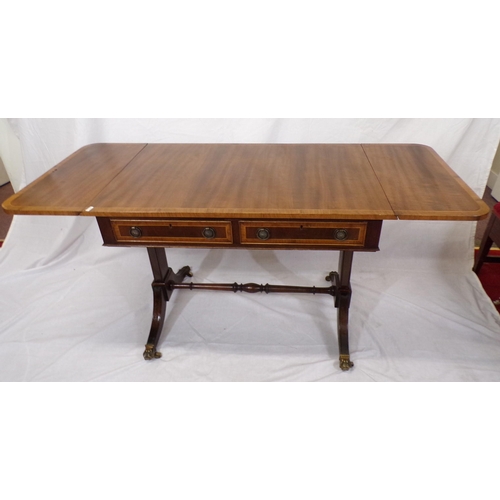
x: 263, y: 234
x: 208, y: 233
x: 135, y: 232
x: 340, y: 234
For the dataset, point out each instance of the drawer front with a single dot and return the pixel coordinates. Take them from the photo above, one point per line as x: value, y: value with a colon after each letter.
x: 333, y: 234
x: 172, y: 232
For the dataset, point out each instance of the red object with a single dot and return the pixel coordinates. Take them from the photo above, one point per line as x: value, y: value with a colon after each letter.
x: 489, y: 275
x: 487, y: 260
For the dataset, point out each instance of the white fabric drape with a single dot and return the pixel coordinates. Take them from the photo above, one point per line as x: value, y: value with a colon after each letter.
x: 72, y: 309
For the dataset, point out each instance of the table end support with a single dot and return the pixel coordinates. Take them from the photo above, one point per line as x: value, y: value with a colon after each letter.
x: 342, y: 303
x: 164, y: 276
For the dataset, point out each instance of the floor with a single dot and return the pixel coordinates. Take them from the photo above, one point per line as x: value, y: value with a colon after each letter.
x: 5, y: 220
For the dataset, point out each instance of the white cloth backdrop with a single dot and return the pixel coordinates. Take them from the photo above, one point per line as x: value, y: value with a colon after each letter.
x: 74, y: 310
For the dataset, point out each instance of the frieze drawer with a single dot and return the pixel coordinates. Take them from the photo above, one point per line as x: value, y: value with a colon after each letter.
x: 303, y: 233
x: 172, y: 232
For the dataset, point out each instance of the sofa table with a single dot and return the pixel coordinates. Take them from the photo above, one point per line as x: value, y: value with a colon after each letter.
x: 249, y: 196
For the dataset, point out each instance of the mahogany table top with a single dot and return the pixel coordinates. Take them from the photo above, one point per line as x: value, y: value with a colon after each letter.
x: 272, y: 181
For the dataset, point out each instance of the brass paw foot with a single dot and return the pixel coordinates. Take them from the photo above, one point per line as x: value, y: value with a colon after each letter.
x: 151, y: 352
x: 345, y: 362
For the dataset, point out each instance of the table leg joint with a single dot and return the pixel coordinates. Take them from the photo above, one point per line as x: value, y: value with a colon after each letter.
x: 174, y: 278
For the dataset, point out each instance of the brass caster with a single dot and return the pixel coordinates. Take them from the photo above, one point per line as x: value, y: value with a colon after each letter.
x: 345, y: 362
x: 151, y: 352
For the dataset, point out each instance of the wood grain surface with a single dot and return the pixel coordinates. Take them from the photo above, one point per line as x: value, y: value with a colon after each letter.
x: 70, y: 187
x: 420, y: 185
x: 247, y: 180
x: 265, y: 181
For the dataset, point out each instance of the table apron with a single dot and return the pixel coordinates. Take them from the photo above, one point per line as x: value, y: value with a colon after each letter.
x: 362, y: 235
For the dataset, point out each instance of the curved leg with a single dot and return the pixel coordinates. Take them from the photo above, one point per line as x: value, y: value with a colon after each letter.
x: 343, y: 334
x: 342, y: 302
x: 159, y: 310
x: 163, y: 276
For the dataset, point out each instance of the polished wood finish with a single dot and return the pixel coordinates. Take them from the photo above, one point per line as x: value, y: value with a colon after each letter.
x: 70, y: 187
x: 172, y: 232
x: 253, y: 288
x: 303, y: 233
x: 247, y: 181
x: 362, y: 236
x: 163, y: 275
x: 166, y: 281
x: 342, y: 302
x: 159, y: 266
x: 266, y: 181
x: 419, y: 185
x: 262, y: 196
